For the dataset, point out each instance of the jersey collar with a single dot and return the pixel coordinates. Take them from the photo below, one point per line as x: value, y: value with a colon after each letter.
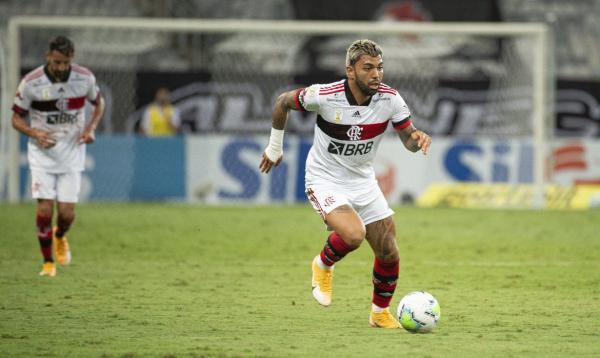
x: 350, y: 96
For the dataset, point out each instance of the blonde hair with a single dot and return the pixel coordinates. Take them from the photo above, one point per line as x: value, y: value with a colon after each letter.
x: 362, y: 47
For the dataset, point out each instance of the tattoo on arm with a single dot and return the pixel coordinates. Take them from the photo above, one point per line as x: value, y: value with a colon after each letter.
x: 404, y: 133
x: 283, y: 104
x: 406, y: 139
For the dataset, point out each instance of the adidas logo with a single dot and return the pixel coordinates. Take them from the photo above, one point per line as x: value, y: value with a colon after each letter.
x: 356, y: 114
x: 61, y: 90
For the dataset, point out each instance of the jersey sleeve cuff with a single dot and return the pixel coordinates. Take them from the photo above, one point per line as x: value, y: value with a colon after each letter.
x: 402, y: 124
x: 19, y: 110
x: 299, y: 105
x: 96, y: 100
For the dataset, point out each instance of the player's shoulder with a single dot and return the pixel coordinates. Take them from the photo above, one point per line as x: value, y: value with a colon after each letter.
x: 387, y: 90
x: 34, y: 74
x: 81, y: 70
x: 331, y: 88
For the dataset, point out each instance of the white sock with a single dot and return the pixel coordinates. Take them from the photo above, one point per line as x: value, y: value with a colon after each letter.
x: 377, y: 309
x: 322, y: 265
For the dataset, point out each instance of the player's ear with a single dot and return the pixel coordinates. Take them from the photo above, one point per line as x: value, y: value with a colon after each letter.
x: 350, y: 72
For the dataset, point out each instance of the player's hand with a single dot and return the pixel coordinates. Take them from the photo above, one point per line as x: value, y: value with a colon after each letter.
x: 267, y: 164
x: 87, y: 137
x: 422, y: 139
x: 44, y: 139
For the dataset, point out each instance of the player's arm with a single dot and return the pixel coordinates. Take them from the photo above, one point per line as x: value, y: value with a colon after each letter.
x: 42, y: 137
x: 273, y: 154
x: 89, y: 133
x: 20, y: 108
x: 414, y: 139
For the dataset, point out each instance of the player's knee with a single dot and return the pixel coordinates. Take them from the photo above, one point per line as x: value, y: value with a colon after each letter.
x: 44, y: 212
x: 354, y: 236
x: 66, y: 217
x: 44, y: 208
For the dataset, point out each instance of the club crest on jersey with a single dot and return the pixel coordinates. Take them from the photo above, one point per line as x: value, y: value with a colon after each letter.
x: 354, y: 133
x: 62, y: 104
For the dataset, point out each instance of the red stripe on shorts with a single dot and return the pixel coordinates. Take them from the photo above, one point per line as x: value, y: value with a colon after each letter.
x: 311, y: 196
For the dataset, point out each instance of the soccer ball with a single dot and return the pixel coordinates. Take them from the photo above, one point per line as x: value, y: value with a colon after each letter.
x: 419, y: 312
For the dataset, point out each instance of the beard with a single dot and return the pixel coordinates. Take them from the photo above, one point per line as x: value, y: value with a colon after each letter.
x: 366, y: 90
x: 61, y: 76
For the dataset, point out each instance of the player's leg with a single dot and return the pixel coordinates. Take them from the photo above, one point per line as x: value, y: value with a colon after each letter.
x: 43, y: 189
x: 43, y: 220
x: 68, y: 187
x: 348, y: 233
x: 381, y: 236
x: 66, y: 216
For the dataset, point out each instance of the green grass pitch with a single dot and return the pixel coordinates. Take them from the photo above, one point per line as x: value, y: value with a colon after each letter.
x: 175, y: 280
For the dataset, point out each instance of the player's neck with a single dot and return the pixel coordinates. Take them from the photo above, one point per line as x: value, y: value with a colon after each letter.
x: 358, y: 94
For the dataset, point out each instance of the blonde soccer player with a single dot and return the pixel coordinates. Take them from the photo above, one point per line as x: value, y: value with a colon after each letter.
x: 352, y: 115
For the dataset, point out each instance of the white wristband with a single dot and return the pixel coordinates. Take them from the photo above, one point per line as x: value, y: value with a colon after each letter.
x: 275, y: 148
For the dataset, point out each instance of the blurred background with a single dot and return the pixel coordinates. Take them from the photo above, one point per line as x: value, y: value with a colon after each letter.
x: 473, y: 93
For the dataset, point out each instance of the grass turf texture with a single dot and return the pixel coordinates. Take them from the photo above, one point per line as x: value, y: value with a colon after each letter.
x: 166, y: 280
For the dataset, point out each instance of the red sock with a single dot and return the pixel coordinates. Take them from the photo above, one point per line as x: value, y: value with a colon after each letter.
x: 385, y: 276
x: 334, y: 250
x: 44, y: 225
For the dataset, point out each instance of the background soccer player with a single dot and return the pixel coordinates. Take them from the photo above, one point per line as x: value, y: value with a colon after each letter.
x: 53, y: 98
x: 352, y: 115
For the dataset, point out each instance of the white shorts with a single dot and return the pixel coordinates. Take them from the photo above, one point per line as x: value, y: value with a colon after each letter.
x: 62, y: 187
x: 367, y: 199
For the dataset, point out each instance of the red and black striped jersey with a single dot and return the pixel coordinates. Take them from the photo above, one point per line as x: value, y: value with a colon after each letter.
x: 58, y: 108
x: 347, y: 135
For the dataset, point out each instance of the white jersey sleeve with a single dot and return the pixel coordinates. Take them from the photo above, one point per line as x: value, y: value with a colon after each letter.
x: 93, y: 91
x: 401, y: 113
x: 22, y: 102
x: 308, y: 98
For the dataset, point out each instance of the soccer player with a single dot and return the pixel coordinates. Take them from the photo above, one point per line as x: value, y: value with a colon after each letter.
x: 53, y: 98
x: 352, y: 115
